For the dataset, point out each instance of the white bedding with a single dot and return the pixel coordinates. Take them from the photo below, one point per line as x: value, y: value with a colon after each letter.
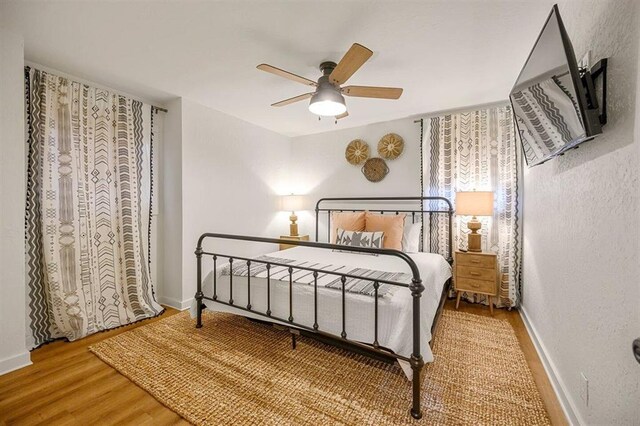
x: 394, y: 311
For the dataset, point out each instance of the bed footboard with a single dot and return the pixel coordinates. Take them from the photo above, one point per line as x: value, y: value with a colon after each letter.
x: 415, y: 287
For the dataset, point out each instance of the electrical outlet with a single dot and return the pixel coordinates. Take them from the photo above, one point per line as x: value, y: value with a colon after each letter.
x: 584, y: 389
x: 585, y: 61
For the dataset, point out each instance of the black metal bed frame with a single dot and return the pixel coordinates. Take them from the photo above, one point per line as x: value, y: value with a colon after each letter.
x: 373, y: 349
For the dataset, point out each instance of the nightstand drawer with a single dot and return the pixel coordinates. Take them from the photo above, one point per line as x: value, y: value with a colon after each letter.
x: 477, y: 260
x: 476, y: 286
x: 487, y: 274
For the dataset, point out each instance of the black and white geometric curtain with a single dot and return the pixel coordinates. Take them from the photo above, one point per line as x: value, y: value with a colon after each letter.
x: 88, y: 209
x: 470, y: 151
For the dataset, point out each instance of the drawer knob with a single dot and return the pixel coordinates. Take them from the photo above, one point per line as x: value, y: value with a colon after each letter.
x: 475, y: 285
x: 475, y: 261
x: 475, y: 274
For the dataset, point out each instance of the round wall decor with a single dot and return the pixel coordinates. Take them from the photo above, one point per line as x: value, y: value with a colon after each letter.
x: 375, y: 169
x: 357, y: 152
x: 390, y: 146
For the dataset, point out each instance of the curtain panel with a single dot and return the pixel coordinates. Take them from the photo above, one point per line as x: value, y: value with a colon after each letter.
x: 88, y: 209
x: 477, y: 151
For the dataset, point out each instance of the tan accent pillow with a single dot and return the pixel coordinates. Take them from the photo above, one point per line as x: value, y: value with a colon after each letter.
x: 349, y: 221
x: 391, y: 224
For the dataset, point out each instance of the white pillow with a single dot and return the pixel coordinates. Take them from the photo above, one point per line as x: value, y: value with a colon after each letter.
x: 411, y: 237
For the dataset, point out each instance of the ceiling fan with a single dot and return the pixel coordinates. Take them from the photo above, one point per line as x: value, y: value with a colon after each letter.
x: 328, y: 99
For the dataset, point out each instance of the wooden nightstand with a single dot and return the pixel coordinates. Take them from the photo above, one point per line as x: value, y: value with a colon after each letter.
x: 476, y: 273
x: 289, y: 237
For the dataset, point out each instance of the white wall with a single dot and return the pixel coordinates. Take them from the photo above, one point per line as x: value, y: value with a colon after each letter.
x: 221, y: 175
x: 319, y: 168
x: 13, y: 352
x: 581, y: 254
x: 169, y: 285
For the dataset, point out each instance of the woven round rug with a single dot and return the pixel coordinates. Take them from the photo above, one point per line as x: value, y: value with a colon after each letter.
x: 234, y: 371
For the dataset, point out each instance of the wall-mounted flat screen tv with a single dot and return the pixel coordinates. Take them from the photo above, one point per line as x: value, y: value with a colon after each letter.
x: 549, y: 98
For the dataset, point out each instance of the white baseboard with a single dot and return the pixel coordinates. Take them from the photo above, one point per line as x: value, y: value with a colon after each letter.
x: 180, y: 305
x: 186, y: 304
x: 15, y: 362
x: 566, y: 402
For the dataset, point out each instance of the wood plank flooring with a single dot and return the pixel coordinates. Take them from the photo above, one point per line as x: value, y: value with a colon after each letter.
x: 68, y: 385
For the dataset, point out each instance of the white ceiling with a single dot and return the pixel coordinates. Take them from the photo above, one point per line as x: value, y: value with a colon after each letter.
x: 445, y: 54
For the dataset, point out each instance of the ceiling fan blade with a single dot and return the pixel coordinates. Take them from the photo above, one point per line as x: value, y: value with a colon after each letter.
x: 286, y: 74
x: 355, y: 57
x: 372, y: 92
x: 343, y: 115
x: 292, y: 100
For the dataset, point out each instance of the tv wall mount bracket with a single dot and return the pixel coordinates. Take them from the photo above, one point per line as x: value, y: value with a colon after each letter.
x: 589, y: 77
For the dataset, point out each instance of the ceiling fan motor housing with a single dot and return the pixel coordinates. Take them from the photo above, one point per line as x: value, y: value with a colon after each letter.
x: 327, y: 67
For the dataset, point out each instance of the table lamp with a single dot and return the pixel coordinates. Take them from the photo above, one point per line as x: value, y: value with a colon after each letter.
x: 474, y: 203
x: 292, y: 203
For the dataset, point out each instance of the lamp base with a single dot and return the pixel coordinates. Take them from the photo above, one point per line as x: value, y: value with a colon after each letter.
x: 474, y: 243
x: 474, y: 239
x: 293, y: 226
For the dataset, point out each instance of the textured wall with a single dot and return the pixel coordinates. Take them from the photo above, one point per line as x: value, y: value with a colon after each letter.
x: 13, y: 353
x: 581, y: 253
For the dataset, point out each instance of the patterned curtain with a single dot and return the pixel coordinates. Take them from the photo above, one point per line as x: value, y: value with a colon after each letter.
x: 477, y: 151
x: 88, y: 209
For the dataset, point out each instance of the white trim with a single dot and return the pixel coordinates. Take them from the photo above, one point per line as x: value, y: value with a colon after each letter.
x: 175, y: 303
x: 14, y: 362
x: 564, y: 398
x: 186, y: 304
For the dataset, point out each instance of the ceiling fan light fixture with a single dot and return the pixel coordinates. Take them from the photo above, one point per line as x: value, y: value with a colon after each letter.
x: 328, y: 98
x: 327, y: 103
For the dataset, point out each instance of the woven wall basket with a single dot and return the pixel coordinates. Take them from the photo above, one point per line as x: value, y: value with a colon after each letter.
x: 375, y: 169
x: 390, y: 146
x: 357, y: 152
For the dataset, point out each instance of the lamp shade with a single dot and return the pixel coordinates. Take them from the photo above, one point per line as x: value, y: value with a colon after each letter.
x: 292, y: 203
x: 474, y: 203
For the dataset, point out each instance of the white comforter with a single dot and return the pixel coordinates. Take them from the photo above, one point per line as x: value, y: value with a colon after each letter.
x: 394, y: 311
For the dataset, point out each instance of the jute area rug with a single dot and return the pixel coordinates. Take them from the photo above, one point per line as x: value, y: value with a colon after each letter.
x: 235, y: 371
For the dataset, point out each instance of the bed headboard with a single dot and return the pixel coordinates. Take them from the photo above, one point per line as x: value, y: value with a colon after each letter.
x: 424, y: 209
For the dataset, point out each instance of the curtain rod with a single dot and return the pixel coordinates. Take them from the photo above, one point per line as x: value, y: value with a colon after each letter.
x: 157, y: 108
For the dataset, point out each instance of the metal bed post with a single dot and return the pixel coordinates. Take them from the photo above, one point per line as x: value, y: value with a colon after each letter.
x: 416, y: 360
x: 450, y: 248
x: 199, y: 295
x: 317, y: 221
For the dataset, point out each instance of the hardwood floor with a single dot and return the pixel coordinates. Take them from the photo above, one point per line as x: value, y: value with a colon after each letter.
x: 68, y: 385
